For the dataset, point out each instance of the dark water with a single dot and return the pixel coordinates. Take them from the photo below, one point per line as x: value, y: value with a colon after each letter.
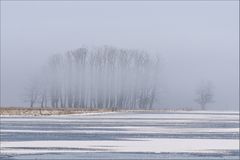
x: 111, y: 122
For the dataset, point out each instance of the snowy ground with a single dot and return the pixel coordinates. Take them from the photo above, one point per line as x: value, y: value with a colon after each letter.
x: 131, y: 135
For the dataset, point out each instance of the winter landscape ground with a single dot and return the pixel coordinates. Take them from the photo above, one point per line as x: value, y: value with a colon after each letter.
x: 122, y: 135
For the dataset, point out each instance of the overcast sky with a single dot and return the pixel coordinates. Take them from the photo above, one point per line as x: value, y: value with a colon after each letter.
x: 197, y: 41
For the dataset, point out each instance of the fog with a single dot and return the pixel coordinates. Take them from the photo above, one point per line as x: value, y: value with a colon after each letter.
x: 196, y: 41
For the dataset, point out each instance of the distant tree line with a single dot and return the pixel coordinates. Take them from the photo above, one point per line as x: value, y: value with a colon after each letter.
x: 104, y: 77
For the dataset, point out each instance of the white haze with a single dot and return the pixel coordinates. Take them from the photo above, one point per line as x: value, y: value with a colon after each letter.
x: 197, y: 41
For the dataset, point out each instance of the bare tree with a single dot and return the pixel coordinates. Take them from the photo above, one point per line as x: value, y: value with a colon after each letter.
x: 204, y: 94
x: 32, y: 92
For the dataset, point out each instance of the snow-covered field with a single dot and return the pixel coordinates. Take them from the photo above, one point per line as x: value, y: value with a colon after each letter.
x: 123, y: 135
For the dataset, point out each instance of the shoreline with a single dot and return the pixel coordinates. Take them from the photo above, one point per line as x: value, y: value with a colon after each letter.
x: 8, y: 111
x: 47, y: 111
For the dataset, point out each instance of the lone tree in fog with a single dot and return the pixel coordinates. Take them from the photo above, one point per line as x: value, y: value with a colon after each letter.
x: 204, y: 94
x: 32, y: 93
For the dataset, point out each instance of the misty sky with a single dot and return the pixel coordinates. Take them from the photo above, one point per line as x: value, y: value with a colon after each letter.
x: 197, y: 41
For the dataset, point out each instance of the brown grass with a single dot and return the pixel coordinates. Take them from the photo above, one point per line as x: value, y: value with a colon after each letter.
x: 47, y: 111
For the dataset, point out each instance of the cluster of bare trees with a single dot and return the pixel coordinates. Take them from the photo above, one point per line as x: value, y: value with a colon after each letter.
x: 104, y: 77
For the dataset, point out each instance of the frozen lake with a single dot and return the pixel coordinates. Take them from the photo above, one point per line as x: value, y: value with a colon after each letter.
x: 123, y: 135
